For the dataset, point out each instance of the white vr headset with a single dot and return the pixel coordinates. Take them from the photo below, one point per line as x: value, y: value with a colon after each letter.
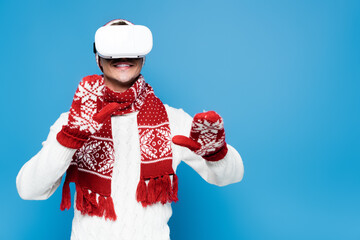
x: 123, y: 41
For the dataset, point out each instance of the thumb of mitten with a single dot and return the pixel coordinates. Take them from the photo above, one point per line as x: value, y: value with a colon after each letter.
x: 186, y: 142
x: 106, y: 112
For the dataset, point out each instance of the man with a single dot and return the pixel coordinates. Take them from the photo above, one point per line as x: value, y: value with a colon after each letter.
x: 121, y: 146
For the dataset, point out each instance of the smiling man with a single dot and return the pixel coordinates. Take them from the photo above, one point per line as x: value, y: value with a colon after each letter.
x: 121, y: 146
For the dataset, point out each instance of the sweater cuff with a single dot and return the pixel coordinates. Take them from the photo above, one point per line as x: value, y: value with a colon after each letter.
x: 217, y: 155
x: 71, y: 138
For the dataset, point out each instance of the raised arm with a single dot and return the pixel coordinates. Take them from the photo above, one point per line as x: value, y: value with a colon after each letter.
x: 41, y: 175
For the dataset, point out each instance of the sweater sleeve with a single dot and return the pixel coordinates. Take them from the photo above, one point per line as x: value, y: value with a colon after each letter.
x: 228, y: 170
x: 41, y: 175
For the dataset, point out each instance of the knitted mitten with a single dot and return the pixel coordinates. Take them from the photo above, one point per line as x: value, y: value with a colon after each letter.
x: 80, y: 122
x: 207, y: 136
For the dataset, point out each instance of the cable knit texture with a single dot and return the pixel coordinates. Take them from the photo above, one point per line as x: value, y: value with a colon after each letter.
x: 134, y: 222
x: 133, y: 219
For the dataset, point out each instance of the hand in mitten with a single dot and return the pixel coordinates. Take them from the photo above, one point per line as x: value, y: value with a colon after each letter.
x: 207, y: 136
x: 80, y: 122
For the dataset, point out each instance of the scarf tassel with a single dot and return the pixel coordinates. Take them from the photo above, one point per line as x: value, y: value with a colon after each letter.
x: 66, y: 197
x: 166, y: 186
x: 89, y: 203
x: 141, y: 192
x: 158, y: 189
x: 174, y: 192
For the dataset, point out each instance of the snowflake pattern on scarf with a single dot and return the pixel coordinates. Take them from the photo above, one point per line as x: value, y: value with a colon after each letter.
x: 154, y: 143
x: 97, y: 156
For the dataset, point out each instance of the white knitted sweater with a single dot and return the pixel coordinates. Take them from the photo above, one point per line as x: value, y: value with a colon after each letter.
x: 41, y: 176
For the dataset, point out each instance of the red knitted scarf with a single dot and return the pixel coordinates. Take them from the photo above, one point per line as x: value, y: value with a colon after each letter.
x: 92, y: 165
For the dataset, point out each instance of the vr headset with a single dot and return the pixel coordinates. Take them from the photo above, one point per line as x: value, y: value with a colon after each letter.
x: 123, y: 41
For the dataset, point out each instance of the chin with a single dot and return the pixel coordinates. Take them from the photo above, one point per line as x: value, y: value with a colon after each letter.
x: 125, y: 79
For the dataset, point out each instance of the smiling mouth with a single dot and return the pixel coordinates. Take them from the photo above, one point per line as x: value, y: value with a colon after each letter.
x: 122, y: 65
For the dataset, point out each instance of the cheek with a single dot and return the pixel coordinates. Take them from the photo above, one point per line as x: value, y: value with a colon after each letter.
x: 139, y: 66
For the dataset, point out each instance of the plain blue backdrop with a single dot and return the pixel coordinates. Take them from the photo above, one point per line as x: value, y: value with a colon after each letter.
x: 284, y: 75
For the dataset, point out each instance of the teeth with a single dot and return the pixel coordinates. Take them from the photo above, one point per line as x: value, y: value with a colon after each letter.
x: 122, y: 65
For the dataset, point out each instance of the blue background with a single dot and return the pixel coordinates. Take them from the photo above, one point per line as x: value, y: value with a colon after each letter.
x: 284, y: 75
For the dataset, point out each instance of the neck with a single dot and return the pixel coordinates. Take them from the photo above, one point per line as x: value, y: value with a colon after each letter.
x: 118, y: 86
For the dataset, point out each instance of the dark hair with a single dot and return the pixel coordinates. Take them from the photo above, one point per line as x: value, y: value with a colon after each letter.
x: 119, y: 23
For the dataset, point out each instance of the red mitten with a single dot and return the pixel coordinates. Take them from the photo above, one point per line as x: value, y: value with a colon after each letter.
x: 80, y: 122
x: 207, y: 136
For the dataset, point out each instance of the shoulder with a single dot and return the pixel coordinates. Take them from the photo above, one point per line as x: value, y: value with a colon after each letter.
x: 180, y: 121
x: 176, y: 113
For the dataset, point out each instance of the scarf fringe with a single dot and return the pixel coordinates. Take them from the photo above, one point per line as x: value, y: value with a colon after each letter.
x: 174, y: 192
x: 92, y: 205
x: 66, y: 197
x: 158, y: 189
x: 89, y: 203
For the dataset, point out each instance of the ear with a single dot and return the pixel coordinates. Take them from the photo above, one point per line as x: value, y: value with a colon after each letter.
x: 100, y: 66
x: 98, y: 61
x: 143, y: 61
